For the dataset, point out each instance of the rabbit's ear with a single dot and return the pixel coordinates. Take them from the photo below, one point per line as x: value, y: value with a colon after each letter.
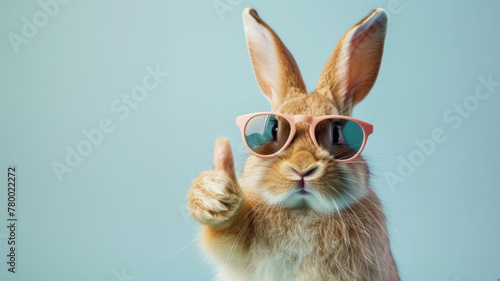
x: 352, y: 68
x: 275, y: 68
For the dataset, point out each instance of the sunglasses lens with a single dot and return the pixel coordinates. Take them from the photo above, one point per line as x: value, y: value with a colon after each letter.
x: 266, y: 134
x: 342, y: 138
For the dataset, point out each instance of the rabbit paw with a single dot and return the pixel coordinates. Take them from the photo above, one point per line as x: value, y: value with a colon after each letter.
x: 214, y: 198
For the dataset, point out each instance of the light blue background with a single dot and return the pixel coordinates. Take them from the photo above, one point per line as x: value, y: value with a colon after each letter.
x: 123, y: 206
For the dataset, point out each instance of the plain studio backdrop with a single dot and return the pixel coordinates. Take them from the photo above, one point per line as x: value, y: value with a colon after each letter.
x: 106, y: 144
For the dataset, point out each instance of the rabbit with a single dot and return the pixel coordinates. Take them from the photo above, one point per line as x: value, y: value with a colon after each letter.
x: 249, y: 229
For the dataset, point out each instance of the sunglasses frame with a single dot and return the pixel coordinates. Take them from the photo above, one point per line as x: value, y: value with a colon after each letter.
x: 242, y: 121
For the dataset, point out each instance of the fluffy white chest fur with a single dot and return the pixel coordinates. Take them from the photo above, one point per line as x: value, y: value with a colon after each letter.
x: 272, y: 260
x: 299, y: 246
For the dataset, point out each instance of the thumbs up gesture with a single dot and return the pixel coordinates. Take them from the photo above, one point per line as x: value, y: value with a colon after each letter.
x: 215, y: 197
x: 223, y: 157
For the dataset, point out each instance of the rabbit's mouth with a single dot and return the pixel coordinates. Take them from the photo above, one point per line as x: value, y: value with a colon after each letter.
x: 317, y: 195
x: 304, y: 196
x: 303, y: 192
x: 302, y: 187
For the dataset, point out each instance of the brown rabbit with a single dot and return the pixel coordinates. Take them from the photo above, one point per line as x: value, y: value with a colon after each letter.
x: 255, y: 228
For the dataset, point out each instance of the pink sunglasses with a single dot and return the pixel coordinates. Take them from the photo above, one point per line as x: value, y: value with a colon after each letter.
x: 267, y: 133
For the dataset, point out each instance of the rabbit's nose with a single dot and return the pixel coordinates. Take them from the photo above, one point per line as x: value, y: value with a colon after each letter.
x: 313, y: 171
x: 309, y: 172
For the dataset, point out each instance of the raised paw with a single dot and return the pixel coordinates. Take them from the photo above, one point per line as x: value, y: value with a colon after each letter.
x: 215, y: 196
